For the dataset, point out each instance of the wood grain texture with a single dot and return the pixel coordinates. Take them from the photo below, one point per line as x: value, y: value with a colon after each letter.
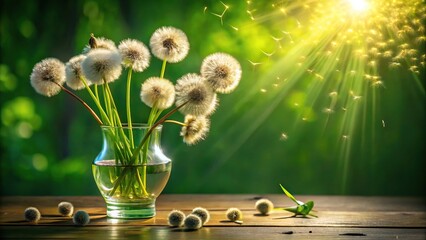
x: 339, y: 217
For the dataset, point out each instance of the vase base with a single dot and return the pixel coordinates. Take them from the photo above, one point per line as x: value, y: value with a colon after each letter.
x: 130, y: 210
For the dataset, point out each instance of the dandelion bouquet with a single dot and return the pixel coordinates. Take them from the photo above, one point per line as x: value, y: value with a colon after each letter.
x: 101, y: 63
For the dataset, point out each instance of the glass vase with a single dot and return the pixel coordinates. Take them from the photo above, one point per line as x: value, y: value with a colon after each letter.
x: 131, y: 170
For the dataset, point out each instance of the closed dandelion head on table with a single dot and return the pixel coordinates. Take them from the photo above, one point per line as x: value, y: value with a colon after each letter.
x: 48, y: 76
x: 234, y: 214
x: 195, y: 129
x: 170, y: 44
x: 158, y: 92
x: 73, y: 72
x: 202, y: 213
x: 32, y: 214
x: 65, y: 209
x: 81, y: 218
x: 221, y: 71
x: 264, y: 206
x: 196, y: 94
x: 102, y: 66
x: 99, y: 43
x: 134, y: 54
x: 192, y: 222
x: 176, y: 218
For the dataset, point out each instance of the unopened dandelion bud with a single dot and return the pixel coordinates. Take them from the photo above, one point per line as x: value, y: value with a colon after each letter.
x: 264, y: 206
x: 176, y: 218
x: 32, y: 214
x: 92, y: 41
x: 81, y: 218
x: 65, y: 209
x: 202, y: 213
x: 234, y: 214
x: 193, y: 222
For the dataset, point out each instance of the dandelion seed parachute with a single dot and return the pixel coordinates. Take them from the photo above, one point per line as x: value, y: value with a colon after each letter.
x: 170, y: 44
x: 134, y: 54
x: 158, y: 92
x: 47, y: 75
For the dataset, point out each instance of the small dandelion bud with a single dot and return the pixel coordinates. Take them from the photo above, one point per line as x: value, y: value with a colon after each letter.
x: 74, y: 73
x: 158, y: 92
x: 192, y: 222
x: 202, y: 213
x: 65, y: 209
x: 176, y: 218
x: 32, y: 214
x: 234, y: 214
x: 134, y: 54
x: 195, y: 129
x: 99, y: 43
x: 48, y: 76
x: 101, y: 66
x: 198, y: 97
x: 81, y: 218
x: 264, y: 206
x: 221, y: 71
x: 170, y: 44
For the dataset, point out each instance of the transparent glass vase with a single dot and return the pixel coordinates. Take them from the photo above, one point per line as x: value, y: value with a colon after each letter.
x: 130, y: 178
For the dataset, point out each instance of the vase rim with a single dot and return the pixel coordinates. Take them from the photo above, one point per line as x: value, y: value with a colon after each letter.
x: 134, y: 126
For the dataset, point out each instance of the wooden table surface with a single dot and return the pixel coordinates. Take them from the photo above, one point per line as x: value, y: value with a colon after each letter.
x: 339, y: 217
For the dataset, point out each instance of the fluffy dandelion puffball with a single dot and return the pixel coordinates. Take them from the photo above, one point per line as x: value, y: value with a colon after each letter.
x: 65, y: 209
x: 134, y: 54
x: 198, y: 97
x: 264, y: 206
x: 102, y: 66
x: 81, y: 218
x: 221, y: 71
x: 176, y: 218
x: 158, y: 92
x: 170, y: 44
x: 202, y: 213
x: 195, y: 129
x: 47, y: 75
x: 192, y: 222
x: 234, y: 214
x: 73, y: 73
x: 101, y: 43
x: 32, y: 214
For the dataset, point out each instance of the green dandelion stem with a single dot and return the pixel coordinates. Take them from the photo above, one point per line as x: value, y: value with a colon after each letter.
x: 95, y: 98
x: 129, y: 114
x: 82, y: 102
x: 163, y: 68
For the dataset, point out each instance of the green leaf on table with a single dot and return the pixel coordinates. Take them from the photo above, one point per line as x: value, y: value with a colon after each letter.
x: 301, y: 208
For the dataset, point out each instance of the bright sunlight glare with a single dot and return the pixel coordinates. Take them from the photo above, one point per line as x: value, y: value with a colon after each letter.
x: 358, y: 5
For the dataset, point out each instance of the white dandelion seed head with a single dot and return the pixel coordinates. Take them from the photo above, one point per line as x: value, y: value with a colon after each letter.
x: 134, y: 54
x: 170, y: 44
x: 73, y: 73
x: 198, y: 97
x: 195, y: 129
x: 158, y: 92
x: 47, y: 75
x: 221, y: 71
x: 101, y: 43
x: 102, y: 66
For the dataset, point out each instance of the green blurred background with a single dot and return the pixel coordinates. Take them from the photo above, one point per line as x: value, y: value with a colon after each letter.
x: 263, y: 134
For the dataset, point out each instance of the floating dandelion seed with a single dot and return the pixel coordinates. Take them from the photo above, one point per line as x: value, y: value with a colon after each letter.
x: 222, y: 14
x: 262, y: 90
x: 383, y: 123
x: 283, y: 136
x: 205, y: 9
